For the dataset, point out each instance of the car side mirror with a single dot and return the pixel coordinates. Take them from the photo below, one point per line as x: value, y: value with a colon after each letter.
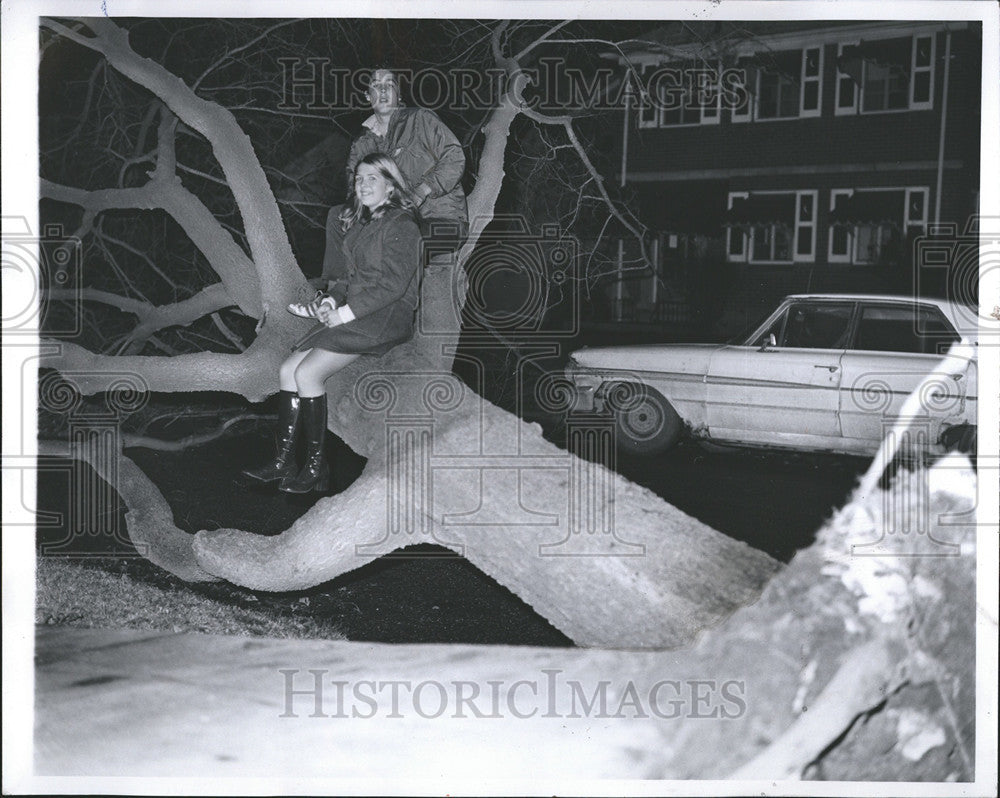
x: 769, y: 343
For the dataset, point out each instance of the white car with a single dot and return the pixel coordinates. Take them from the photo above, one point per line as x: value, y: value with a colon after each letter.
x: 824, y: 372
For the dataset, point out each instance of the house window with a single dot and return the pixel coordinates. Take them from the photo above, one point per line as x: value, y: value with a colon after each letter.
x: 885, y: 75
x: 873, y: 226
x: 778, y: 85
x: 767, y: 227
x: 841, y: 235
x: 736, y: 239
x: 884, y: 88
x: 693, y: 98
x: 915, y: 219
x: 678, y: 98
x: 679, y: 95
x: 708, y: 92
x: 847, y: 86
x: 647, y: 107
x: 805, y: 225
x: 874, y: 242
x: 782, y: 85
x: 770, y: 243
x: 745, y: 82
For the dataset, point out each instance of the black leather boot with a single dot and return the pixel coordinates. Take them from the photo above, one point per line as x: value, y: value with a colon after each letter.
x: 282, y: 465
x: 315, y: 474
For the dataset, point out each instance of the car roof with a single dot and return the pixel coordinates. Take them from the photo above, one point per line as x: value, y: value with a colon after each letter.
x: 963, y: 317
x: 872, y: 297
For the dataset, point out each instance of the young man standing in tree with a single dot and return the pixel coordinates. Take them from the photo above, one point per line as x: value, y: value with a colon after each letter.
x: 428, y: 154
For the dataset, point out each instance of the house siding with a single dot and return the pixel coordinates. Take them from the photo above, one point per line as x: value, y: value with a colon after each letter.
x: 827, y: 140
x: 894, y: 149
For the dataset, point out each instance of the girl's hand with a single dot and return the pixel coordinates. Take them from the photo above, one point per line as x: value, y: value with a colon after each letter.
x: 329, y: 316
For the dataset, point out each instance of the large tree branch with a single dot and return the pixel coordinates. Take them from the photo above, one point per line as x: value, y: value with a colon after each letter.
x: 142, y: 197
x: 483, y: 198
x: 669, y: 574
x: 224, y: 255
x: 153, y: 317
x: 252, y: 374
x: 280, y: 279
x: 149, y: 520
x: 166, y: 149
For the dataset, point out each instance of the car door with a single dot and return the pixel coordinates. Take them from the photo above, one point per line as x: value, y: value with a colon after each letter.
x: 895, y: 346
x: 786, y: 393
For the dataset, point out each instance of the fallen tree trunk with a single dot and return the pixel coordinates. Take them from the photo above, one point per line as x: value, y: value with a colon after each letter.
x: 824, y: 677
x: 488, y: 486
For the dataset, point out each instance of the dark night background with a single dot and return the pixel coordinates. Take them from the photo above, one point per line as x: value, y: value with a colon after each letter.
x: 97, y: 130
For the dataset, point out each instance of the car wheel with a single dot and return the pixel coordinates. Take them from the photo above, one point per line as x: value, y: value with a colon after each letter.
x: 644, y: 421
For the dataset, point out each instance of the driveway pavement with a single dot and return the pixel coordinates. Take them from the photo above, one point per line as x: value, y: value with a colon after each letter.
x: 126, y: 703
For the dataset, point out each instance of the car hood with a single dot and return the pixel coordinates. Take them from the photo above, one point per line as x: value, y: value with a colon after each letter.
x: 648, y: 357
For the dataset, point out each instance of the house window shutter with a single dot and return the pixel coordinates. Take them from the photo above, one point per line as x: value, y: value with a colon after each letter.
x: 922, y: 73
x: 812, y: 82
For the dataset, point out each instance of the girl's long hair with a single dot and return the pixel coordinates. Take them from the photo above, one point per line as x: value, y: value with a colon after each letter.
x: 401, y: 196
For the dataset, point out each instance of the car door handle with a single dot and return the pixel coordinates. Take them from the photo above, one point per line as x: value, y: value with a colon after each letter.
x: 831, y: 369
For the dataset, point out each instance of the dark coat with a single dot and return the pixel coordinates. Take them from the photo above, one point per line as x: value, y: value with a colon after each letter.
x: 377, y: 273
x: 426, y: 152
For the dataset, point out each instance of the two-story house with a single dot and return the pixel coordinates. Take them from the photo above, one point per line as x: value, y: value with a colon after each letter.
x: 791, y: 156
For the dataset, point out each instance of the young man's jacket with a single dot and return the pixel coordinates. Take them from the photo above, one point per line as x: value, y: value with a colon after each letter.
x: 427, y: 153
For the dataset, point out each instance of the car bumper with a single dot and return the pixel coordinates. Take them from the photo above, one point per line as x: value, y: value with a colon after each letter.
x: 585, y: 397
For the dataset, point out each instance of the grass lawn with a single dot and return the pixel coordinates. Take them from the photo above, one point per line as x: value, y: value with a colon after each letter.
x: 72, y: 592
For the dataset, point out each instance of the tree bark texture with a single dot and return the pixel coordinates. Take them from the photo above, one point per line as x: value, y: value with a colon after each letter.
x: 607, y: 562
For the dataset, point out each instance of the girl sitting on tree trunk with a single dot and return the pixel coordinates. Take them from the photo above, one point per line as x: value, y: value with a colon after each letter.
x: 373, y: 285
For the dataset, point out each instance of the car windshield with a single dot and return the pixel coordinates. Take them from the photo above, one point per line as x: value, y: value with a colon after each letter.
x: 748, y: 334
x: 806, y: 324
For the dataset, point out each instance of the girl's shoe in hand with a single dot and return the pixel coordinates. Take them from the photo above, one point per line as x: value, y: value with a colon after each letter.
x: 308, y: 310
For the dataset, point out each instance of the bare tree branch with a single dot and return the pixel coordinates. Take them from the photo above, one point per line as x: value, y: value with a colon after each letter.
x: 252, y: 373
x: 278, y: 275
x: 153, y: 318
x: 149, y: 519
x: 227, y: 333
x: 245, y: 46
x: 225, y: 257
x: 132, y: 440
